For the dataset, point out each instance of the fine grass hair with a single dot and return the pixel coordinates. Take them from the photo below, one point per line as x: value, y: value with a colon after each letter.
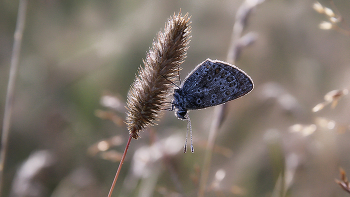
x: 154, y: 82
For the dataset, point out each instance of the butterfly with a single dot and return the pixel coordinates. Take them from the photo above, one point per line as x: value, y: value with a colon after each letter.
x: 211, y: 83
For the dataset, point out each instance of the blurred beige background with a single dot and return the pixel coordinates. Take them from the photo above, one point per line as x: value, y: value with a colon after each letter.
x: 74, y: 51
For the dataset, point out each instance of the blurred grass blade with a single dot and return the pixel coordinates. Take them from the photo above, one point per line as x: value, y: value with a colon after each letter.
x: 11, y: 86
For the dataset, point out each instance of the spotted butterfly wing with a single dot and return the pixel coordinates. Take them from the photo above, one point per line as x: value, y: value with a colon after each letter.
x: 211, y: 83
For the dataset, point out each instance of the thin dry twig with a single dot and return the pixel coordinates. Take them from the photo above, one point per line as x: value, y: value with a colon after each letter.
x: 21, y: 18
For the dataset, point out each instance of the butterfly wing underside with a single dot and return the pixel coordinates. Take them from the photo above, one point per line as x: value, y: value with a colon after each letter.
x: 213, y: 83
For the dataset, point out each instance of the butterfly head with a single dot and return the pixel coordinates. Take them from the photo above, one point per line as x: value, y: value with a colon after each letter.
x: 178, y: 104
x: 181, y: 114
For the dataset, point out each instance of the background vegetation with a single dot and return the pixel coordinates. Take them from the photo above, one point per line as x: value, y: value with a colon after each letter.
x: 73, y: 52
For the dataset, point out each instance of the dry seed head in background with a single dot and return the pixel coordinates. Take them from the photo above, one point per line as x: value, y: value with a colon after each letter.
x: 153, y: 84
x: 331, y: 97
x: 333, y: 19
x: 344, y: 182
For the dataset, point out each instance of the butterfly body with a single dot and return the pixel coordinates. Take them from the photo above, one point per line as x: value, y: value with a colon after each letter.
x: 211, y: 83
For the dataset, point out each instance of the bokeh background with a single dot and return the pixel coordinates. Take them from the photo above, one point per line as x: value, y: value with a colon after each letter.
x: 75, y: 52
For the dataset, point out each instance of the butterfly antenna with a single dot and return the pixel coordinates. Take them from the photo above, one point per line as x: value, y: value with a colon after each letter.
x: 189, y: 127
x: 178, y: 74
x: 171, y: 81
x: 168, y: 108
x: 185, y: 146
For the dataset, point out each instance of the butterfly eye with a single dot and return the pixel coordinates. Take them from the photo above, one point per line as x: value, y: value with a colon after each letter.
x: 182, y: 114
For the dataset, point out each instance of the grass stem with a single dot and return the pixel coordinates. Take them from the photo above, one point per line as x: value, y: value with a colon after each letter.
x: 21, y: 17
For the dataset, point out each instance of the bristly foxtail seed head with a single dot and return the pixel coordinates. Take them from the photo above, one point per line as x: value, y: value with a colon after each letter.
x: 153, y: 83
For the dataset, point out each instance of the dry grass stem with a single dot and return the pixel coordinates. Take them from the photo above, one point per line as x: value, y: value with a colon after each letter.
x: 122, y: 158
x: 21, y: 18
x: 239, y: 42
x: 148, y: 94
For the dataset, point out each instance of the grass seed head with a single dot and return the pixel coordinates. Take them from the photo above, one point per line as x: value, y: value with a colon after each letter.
x: 153, y: 83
